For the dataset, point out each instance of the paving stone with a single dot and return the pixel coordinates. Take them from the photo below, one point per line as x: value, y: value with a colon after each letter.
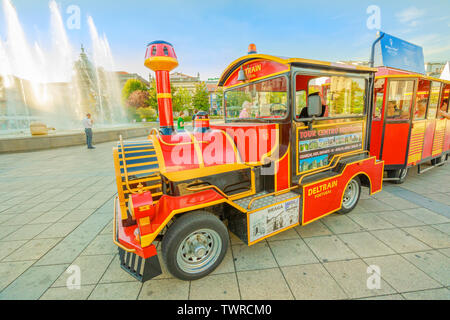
x: 399, y: 219
x: 352, y: 276
x: 65, y: 293
x: 365, y: 245
x: 92, y: 269
x: 32, y: 250
x: 430, y: 236
x: 400, y: 241
x: 399, y: 203
x: 330, y: 248
x: 102, y: 244
x: 116, y: 291
x: 32, y: 283
x: 72, y: 245
x: 386, y: 297
x: 311, y: 282
x: 22, y: 219
x: 28, y: 232
x: 341, y: 224
x: 371, y: 205
x: 434, y: 294
x: 314, y: 229
x: 445, y: 227
x: 426, y: 216
x: 268, y: 284
x: 6, y: 231
x: 401, y: 274
x: 165, y: 289
x: 11, y: 270
x: 7, y: 247
x: 227, y: 264
x: 77, y: 215
x: 257, y: 256
x: 445, y: 251
x: 114, y: 273
x: 433, y: 263
x: 220, y: 287
x: 371, y: 221
x: 50, y: 217
x: 58, y: 230
x: 285, y: 235
x: 292, y: 252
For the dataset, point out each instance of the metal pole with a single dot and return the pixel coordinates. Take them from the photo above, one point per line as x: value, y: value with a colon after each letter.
x: 372, y: 53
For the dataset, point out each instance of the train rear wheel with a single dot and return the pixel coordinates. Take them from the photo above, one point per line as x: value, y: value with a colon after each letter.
x: 400, y: 174
x: 194, y: 245
x: 351, y: 196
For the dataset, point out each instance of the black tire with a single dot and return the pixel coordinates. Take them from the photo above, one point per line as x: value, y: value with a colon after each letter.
x: 353, y: 187
x: 437, y: 160
x: 401, y: 174
x: 190, y: 235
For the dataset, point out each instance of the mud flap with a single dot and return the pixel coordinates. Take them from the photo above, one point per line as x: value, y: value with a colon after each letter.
x: 132, y: 264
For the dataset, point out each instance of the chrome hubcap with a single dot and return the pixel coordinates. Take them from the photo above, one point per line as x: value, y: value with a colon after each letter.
x: 199, y: 251
x: 350, y: 194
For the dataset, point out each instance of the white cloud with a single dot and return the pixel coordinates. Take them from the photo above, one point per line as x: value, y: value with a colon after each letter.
x: 411, y: 16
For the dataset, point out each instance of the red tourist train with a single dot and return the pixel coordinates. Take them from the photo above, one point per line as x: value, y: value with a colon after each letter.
x: 293, y: 148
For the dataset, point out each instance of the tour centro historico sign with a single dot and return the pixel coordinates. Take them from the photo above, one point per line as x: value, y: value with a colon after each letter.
x: 316, y: 147
x: 400, y: 54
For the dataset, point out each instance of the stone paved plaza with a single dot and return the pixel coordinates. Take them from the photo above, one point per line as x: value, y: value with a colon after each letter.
x: 56, y: 211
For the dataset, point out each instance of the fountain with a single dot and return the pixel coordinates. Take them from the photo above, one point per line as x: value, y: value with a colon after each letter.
x: 52, y: 85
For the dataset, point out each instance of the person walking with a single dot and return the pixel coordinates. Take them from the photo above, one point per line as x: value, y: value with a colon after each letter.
x: 87, y: 123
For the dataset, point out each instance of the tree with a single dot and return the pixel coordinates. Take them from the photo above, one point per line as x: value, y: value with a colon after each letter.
x: 181, y: 100
x: 131, y: 86
x: 152, y: 98
x: 138, y: 99
x: 200, y: 100
x: 146, y: 113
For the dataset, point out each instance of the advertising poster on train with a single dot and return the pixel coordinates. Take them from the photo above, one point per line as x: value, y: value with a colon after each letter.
x: 272, y: 219
x: 317, y: 146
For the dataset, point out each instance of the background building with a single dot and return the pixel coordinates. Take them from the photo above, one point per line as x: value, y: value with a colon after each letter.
x: 434, y: 69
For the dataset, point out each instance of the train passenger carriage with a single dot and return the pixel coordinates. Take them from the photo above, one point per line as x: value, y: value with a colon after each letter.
x: 408, y: 128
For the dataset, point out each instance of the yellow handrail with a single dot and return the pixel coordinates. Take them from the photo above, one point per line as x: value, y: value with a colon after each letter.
x: 117, y: 243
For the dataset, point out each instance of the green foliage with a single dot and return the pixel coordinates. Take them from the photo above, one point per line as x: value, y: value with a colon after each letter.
x: 237, y: 98
x: 219, y: 97
x: 200, y: 100
x: 130, y: 86
x: 146, y: 113
x: 152, y: 99
x: 181, y: 99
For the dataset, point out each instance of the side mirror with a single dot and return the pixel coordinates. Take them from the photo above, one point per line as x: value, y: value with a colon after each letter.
x: 314, y: 106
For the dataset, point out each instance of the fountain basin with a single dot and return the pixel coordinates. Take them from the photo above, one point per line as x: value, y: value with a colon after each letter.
x: 58, y: 139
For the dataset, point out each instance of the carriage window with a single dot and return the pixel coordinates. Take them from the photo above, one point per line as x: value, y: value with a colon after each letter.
x: 379, y: 95
x: 260, y: 100
x: 434, y: 99
x: 399, y: 101
x: 423, y: 93
x: 345, y: 96
x: 300, y: 101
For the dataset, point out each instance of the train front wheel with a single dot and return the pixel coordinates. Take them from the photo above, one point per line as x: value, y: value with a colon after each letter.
x: 194, y: 245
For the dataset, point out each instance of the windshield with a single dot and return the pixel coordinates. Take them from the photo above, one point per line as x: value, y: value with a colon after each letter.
x: 260, y: 100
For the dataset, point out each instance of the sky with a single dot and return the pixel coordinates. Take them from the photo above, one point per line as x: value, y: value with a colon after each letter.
x: 209, y: 35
